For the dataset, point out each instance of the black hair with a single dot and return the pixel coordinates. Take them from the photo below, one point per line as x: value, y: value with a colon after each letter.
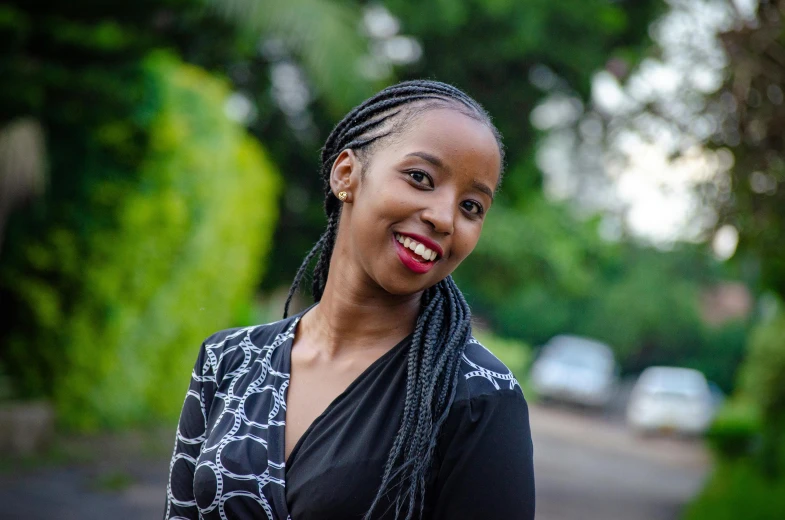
x: 443, y: 324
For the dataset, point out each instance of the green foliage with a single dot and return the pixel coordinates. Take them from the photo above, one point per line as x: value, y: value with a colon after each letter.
x: 720, y: 352
x: 543, y: 240
x: 541, y: 258
x: 735, y: 431
x: 489, y: 47
x: 117, y: 136
x: 762, y: 378
x: 102, y: 111
x: 538, y: 271
x: 322, y: 33
x: 116, y: 298
x: 738, y: 490
x: 749, y: 437
x: 763, y: 373
x: 648, y: 312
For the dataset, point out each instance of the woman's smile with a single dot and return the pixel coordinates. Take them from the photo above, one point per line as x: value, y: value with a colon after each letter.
x: 414, y: 254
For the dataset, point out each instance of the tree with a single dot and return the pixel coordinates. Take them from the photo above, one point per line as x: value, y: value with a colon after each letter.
x: 499, y: 52
x: 159, y: 208
x: 753, y: 126
x: 505, y: 53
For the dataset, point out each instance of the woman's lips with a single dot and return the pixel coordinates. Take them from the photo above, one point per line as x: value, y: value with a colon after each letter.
x: 412, y: 260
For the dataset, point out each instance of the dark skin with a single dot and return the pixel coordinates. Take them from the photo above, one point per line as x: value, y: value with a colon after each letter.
x: 436, y: 179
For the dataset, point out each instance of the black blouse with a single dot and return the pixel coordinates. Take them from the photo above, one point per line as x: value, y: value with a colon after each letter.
x: 228, y: 460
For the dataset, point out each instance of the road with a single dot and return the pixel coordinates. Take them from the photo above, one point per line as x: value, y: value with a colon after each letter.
x: 587, y: 468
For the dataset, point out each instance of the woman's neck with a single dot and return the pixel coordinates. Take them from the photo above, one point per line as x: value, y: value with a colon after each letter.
x: 358, y: 314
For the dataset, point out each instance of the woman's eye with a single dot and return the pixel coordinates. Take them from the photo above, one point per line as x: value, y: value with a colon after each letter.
x: 473, y: 207
x: 421, y: 177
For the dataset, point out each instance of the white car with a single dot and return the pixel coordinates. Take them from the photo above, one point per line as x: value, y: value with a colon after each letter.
x: 576, y: 370
x: 671, y: 399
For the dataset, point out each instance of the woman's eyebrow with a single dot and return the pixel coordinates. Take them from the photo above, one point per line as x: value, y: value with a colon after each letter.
x: 428, y: 157
x: 483, y: 188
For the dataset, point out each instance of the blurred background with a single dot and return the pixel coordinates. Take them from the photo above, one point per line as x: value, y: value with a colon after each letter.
x: 159, y: 182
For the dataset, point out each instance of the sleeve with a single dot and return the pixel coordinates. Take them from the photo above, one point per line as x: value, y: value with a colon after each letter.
x: 487, y: 467
x: 191, y: 434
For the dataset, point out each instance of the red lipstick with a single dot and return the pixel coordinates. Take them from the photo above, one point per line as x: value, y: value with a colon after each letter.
x: 412, y: 260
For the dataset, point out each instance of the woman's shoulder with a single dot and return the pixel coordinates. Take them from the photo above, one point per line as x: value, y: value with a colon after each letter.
x: 483, y: 375
x: 224, y: 349
x: 489, y: 417
x: 258, y: 335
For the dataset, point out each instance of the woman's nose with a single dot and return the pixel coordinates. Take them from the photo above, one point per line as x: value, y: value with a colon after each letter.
x: 441, y: 216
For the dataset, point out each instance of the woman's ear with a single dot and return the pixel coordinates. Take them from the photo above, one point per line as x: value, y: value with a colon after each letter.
x: 345, y: 175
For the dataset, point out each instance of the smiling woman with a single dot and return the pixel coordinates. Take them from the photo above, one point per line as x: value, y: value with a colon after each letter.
x: 375, y: 402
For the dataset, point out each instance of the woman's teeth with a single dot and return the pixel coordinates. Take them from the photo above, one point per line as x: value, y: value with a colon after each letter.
x: 418, y: 248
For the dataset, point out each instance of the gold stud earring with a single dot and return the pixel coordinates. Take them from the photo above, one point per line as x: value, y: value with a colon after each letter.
x: 342, y: 195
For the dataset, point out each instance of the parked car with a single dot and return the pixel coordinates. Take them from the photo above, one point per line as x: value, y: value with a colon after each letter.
x: 576, y: 370
x: 671, y: 399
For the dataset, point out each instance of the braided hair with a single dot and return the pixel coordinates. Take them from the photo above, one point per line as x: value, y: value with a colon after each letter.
x: 443, y: 323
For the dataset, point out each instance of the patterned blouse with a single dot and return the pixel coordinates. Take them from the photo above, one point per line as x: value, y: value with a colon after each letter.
x: 228, y: 460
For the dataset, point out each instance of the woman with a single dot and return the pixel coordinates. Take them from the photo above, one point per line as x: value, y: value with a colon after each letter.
x: 376, y: 401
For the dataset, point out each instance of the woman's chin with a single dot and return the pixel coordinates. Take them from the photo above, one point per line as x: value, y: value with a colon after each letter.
x: 403, y: 287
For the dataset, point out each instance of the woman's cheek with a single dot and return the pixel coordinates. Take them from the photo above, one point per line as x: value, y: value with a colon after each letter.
x: 464, y: 245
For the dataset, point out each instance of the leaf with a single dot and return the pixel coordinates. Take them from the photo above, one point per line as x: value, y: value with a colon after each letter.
x: 324, y: 34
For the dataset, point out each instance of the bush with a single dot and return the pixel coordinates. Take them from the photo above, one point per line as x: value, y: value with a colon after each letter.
x: 762, y: 381
x: 738, y: 490
x: 119, y: 295
x: 749, y: 438
x: 736, y: 430
x: 763, y: 373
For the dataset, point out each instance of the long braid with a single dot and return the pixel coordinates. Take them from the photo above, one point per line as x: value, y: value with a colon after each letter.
x: 301, y: 271
x: 443, y: 323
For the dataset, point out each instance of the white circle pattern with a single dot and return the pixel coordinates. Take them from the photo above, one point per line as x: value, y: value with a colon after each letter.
x: 234, y: 369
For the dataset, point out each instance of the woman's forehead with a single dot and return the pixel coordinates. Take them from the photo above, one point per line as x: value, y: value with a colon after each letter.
x: 455, y: 140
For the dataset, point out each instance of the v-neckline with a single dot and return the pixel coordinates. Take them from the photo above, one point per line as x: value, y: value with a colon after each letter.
x: 288, y: 346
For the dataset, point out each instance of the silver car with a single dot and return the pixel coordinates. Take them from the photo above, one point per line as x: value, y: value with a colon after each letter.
x: 671, y: 399
x: 575, y: 369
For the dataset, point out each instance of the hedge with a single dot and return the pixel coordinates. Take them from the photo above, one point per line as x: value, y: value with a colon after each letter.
x: 121, y: 294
